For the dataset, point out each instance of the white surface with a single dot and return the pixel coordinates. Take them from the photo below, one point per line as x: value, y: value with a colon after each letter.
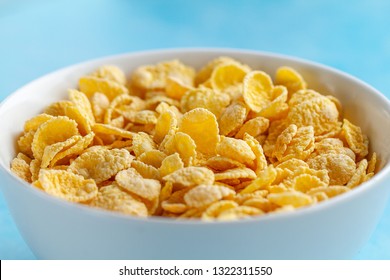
x: 55, y: 229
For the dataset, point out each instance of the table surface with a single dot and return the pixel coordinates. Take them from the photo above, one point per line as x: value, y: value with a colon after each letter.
x: 39, y: 36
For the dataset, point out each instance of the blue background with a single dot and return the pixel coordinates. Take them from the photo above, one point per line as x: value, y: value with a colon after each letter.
x: 39, y: 36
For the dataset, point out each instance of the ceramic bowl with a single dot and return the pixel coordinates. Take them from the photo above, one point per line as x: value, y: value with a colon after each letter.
x: 335, y: 229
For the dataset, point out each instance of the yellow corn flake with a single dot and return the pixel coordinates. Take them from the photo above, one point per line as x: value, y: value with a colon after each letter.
x: 205, y: 73
x: 204, y: 195
x: 239, y: 213
x: 306, y: 182
x: 112, y: 198
x: 260, y: 203
x: 294, y: 142
x: 293, y: 198
x: 170, y: 164
x: 260, y: 162
x: 309, y: 108
x: 147, y: 171
x: 220, y: 163
x: 145, y: 117
x: 182, y: 144
x: 242, y: 173
x: 356, y: 140
x: 205, y: 98
x: 99, y: 105
x: 25, y: 143
x: 90, y: 85
x: 258, y: 89
x: 142, y: 143
x: 253, y: 127
x: 106, y: 129
x: 195, y: 123
x: 264, y: 179
x: 67, y: 185
x: 112, y: 73
x: 166, y: 124
x: 148, y: 189
x: 232, y: 118
x: 175, y: 88
x: 101, y: 164
x: 73, y: 151
x: 34, y: 123
x: 58, y: 108
x: 154, y: 77
x: 226, y: 75
x: 52, y: 150
x: 289, y: 78
x: 51, y: 132
x: 216, y: 208
x: 372, y: 164
x: 190, y: 176
x: 152, y: 157
x: 154, y: 102
x: 293, y: 164
x: 340, y: 167
x: 236, y: 149
x: 35, y: 167
x: 175, y: 203
x: 21, y: 168
x: 359, y: 176
x: 23, y: 157
x: 83, y: 124
x: 82, y: 102
x: 329, y: 191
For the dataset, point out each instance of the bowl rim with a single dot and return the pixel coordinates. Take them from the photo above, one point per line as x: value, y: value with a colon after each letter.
x: 312, y: 209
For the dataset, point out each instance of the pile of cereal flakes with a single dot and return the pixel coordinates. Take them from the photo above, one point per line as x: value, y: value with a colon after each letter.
x: 223, y: 143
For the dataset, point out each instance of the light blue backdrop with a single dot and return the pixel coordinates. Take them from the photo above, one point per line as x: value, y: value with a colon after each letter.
x: 37, y: 37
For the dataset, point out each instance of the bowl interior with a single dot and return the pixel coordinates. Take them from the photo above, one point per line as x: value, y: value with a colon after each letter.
x: 362, y: 104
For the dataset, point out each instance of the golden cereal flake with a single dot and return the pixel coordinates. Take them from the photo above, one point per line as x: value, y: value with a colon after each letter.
x: 152, y: 157
x: 99, y: 105
x: 289, y: 78
x: 213, y: 101
x: 356, y: 140
x: 101, y: 164
x: 110, y: 72
x: 112, y: 198
x: 67, y: 185
x: 52, y: 131
x: 90, y: 85
x: 258, y: 90
x: 232, y: 118
x: 235, y: 149
x: 190, y: 176
x: 58, y: 108
x: 203, y: 195
x: 34, y: 123
x: 226, y: 75
x: 253, y: 127
x: 52, y: 150
x: 170, y: 164
x: 21, y: 169
x: 340, y: 167
x: 182, y: 144
x: 201, y: 125
x: 220, y: 163
x: 293, y: 198
x: 242, y: 173
x: 216, y: 208
x: 148, y: 189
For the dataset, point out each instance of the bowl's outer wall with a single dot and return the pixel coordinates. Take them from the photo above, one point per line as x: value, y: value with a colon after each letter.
x: 58, y: 230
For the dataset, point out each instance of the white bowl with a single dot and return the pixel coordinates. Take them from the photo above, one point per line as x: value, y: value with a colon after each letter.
x: 335, y: 229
